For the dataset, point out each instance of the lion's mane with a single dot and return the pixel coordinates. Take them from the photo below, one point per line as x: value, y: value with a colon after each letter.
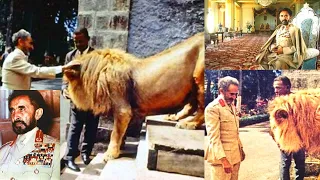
x: 295, y: 121
x: 102, y: 73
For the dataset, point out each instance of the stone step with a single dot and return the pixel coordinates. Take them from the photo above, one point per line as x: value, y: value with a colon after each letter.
x: 135, y: 168
x: 175, y: 150
x: 93, y: 169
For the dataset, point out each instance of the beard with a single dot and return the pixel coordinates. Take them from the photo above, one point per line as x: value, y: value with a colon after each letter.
x: 229, y: 100
x: 285, y: 22
x: 20, y: 127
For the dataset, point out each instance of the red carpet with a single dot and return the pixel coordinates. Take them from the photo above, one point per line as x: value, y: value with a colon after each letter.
x: 235, y: 54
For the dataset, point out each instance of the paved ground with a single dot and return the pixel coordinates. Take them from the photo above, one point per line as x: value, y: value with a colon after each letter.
x: 54, y: 84
x: 262, y: 153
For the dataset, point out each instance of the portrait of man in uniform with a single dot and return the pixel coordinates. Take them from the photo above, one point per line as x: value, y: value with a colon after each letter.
x: 33, y: 154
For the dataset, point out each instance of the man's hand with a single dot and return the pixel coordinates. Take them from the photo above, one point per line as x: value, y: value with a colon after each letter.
x: 65, y: 94
x: 226, y: 165
x: 275, y: 49
x: 243, y: 155
x: 71, y: 65
x: 280, y: 50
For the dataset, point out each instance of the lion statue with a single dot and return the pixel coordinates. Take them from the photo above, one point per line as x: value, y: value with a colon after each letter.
x: 295, y: 121
x: 113, y: 82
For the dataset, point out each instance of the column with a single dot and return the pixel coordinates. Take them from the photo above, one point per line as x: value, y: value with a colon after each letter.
x: 230, y: 13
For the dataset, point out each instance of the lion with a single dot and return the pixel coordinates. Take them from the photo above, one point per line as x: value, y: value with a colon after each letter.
x: 295, y: 121
x: 111, y: 81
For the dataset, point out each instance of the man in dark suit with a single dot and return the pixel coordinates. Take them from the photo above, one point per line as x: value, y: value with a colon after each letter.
x: 79, y: 117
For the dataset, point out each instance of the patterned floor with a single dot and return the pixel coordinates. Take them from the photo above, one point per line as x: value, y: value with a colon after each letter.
x: 237, y: 53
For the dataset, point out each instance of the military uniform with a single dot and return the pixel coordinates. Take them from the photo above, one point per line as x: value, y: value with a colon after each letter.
x: 284, y: 40
x: 222, y: 124
x: 294, y: 49
x: 32, y: 155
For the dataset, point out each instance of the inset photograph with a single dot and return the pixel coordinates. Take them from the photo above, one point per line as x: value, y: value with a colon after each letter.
x: 135, y: 72
x: 30, y: 134
x: 262, y: 124
x: 262, y: 35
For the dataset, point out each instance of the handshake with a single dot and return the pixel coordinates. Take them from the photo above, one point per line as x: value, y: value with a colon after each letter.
x: 70, y: 67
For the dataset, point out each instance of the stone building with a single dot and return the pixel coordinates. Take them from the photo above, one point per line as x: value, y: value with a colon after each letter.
x: 303, y: 79
x: 141, y: 27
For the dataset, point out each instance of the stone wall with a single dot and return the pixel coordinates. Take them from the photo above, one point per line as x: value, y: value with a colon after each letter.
x: 107, y: 22
x: 303, y: 79
x: 156, y: 25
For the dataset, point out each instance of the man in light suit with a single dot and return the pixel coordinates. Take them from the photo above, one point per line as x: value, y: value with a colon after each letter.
x: 224, y: 150
x: 16, y: 71
x: 79, y: 118
x: 33, y: 155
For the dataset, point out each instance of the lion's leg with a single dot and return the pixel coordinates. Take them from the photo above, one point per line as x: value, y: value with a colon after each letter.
x: 122, y: 117
x: 198, y: 120
x: 187, y: 110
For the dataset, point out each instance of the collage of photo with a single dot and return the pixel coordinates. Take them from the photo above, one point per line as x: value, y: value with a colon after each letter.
x: 161, y: 90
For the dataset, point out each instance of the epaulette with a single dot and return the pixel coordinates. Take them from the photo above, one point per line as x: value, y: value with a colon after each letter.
x: 8, y: 143
x: 214, y: 102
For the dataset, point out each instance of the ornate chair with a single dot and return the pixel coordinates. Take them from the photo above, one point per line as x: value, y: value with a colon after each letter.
x: 261, y: 29
x: 229, y: 33
x: 267, y: 29
x: 210, y: 37
x: 309, y: 23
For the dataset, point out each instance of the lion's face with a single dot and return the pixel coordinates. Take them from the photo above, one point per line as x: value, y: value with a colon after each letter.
x: 86, y: 86
x: 283, y: 124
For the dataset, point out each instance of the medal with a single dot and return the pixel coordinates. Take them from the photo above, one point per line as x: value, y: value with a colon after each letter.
x: 41, y: 155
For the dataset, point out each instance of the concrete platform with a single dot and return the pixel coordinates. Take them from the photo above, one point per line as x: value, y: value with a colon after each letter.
x: 175, y: 150
x: 160, y: 120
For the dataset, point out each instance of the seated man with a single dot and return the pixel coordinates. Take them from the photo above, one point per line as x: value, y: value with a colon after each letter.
x: 285, y: 49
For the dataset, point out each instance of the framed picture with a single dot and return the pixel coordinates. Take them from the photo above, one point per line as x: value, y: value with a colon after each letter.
x: 265, y: 18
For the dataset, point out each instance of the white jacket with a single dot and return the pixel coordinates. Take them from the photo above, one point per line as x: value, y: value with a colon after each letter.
x: 17, y: 72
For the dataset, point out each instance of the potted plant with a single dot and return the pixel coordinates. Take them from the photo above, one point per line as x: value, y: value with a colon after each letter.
x: 249, y: 26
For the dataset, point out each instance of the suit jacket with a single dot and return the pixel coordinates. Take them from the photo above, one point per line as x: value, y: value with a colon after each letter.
x: 69, y: 57
x: 20, y: 159
x: 17, y: 72
x: 222, y: 126
x: 298, y: 45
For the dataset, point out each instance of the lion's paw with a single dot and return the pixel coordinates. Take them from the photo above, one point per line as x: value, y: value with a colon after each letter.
x: 186, y: 125
x: 171, y: 117
x: 111, y: 154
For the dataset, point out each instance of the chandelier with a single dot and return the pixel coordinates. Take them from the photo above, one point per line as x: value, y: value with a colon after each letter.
x: 266, y: 3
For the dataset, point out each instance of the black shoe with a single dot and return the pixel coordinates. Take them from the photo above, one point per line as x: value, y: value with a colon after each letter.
x: 73, y: 166
x: 86, y: 159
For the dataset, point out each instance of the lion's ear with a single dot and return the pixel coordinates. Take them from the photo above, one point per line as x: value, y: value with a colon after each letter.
x: 281, y: 115
x: 72, y: 70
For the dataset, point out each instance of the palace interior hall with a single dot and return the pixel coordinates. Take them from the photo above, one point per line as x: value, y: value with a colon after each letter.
x: 237, y: 29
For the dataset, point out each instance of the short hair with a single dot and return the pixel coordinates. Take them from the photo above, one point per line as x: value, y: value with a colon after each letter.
x: 37, y: 101
x: 225, y: 82
x: 285, y: 9
x: 284, y: 79
x: 21, y: 34
x: 82, y: 30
